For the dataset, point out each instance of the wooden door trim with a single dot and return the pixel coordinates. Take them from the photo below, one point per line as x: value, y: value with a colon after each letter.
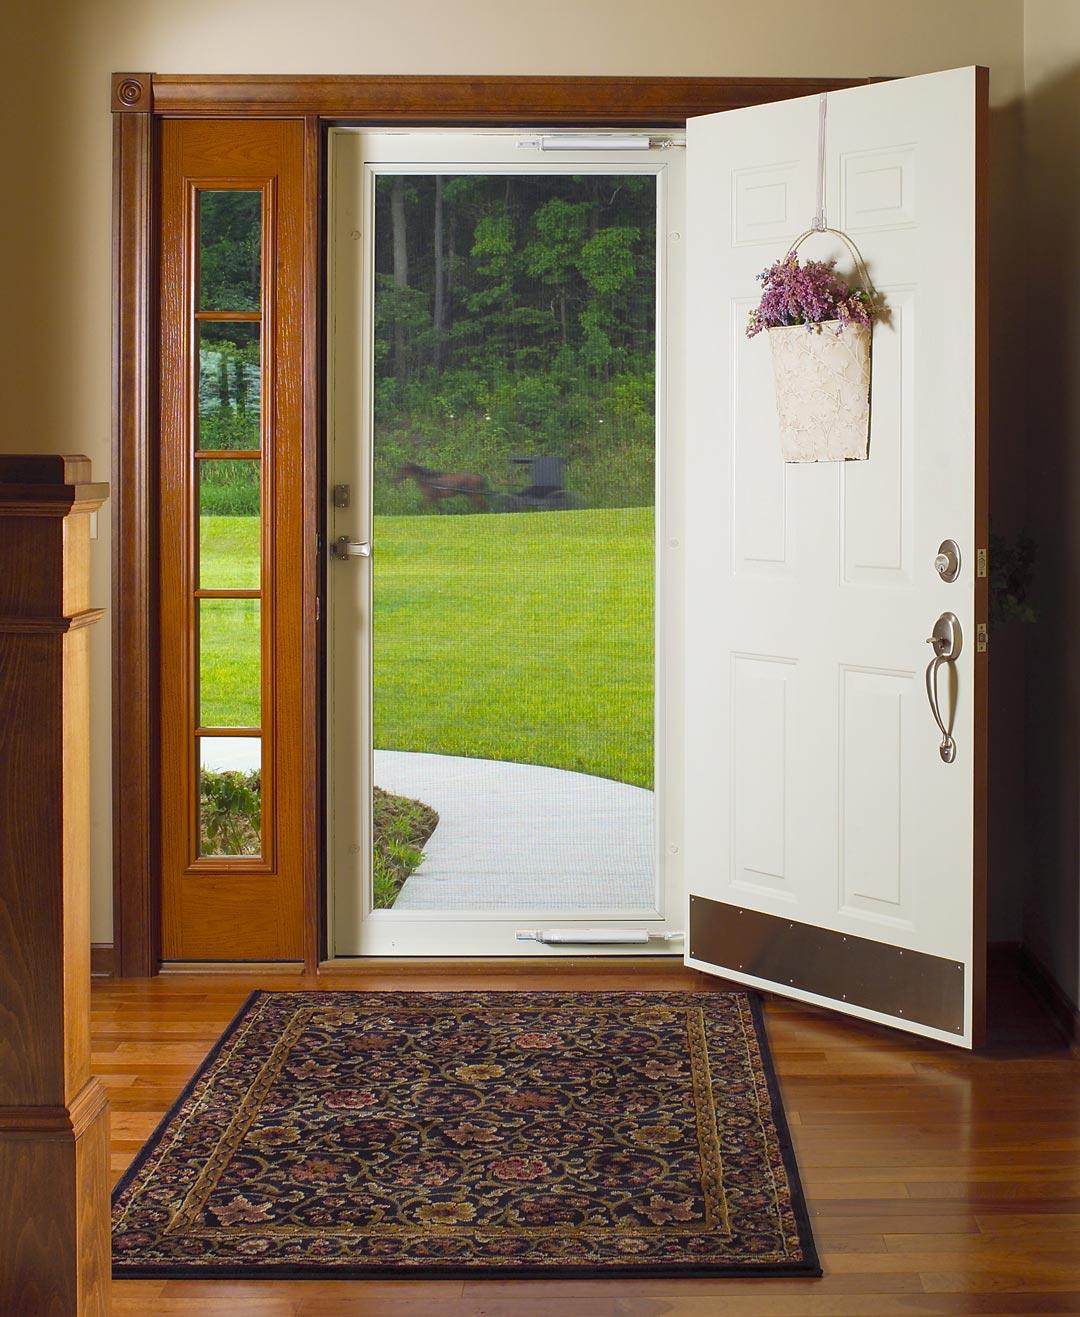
x: 433, y: 99
x: 136, y: 922
x: 312, y: 834
x: 139, y: 102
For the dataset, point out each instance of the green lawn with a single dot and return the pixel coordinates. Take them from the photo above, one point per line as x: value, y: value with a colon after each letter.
x: 229, y: 663
x: 229, y: 628
x: 229, y: 553
x: 525, y: 637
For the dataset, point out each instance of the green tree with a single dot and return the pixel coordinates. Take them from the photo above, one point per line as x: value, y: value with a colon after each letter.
x: 230, y: 250
x: 555, y: 252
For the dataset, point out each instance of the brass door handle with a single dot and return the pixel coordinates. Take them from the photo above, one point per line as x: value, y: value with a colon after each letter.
x: 947, y: 640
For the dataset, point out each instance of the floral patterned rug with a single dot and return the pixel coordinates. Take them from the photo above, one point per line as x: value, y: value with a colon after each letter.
x: 345, y: 1134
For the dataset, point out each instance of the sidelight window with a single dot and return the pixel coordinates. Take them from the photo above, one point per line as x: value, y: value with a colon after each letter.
x: 228, y: 455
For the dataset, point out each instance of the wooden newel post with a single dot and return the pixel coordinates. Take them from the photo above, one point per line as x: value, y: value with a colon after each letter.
x: 54, y: 1126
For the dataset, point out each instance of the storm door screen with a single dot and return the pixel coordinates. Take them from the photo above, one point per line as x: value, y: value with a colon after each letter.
x: 513, y: 529
x: 503, y: 486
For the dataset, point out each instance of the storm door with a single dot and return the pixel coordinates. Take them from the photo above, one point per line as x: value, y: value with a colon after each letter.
x: 503, y: 524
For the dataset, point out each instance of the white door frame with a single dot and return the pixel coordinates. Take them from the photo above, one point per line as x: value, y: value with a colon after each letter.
x: 355, y: 156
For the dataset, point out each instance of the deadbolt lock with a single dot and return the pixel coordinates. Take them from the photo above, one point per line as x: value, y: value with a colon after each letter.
x: 947, y: 561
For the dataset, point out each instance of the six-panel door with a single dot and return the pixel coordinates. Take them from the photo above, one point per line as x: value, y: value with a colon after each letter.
x: 831, y: 852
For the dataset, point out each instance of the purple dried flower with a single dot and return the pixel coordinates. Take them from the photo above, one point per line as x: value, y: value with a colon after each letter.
x: 807, y: 294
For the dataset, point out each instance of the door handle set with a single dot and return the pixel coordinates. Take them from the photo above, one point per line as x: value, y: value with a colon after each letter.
x: 947, y: 639
x: 343, y: 548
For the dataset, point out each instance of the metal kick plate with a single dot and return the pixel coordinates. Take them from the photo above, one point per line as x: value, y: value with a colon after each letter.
x: 857, y: 971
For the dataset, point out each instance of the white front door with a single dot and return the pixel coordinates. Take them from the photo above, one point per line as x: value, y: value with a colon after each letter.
x: 831, y: 852
x: 505, y: 453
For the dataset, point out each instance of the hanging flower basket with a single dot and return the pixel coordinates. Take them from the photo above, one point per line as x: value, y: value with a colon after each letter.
x: 820, y: 332
x: 822, y: 376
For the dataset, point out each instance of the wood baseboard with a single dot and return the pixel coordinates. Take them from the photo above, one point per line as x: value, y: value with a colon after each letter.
x: 101, y: 960
x: 263, y: 967
x: 1053, y: 997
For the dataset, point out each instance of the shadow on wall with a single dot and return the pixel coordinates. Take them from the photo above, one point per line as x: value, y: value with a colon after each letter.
x: 1008, y: 857
x: 1048, y: 271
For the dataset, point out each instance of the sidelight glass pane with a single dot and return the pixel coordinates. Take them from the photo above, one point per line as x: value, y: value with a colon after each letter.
x: 230, y: 795
x: 513, y: 490
x: 230, y: 385
x: 230, y: 637
x: 230, y: 250
x: 229, y: 524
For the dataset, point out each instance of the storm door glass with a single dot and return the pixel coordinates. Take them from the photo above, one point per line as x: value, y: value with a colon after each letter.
x: 514, y: 438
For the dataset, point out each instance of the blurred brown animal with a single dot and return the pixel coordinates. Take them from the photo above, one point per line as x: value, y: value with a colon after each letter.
x: 437, y: 485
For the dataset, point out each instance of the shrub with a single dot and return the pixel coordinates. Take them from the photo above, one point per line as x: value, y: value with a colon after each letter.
x: 229, y: 489
x: 230, y: 812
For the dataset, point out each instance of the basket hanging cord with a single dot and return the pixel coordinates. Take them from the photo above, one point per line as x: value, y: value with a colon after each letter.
x: 856, y: 255
x: 819, y: 223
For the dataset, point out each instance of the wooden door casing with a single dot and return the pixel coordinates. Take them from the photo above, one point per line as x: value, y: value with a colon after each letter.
x: 143, y: 105
x: 234, y: 908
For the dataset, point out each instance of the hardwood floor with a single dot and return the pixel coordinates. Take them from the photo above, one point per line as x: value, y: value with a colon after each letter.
x: 938, y: 1182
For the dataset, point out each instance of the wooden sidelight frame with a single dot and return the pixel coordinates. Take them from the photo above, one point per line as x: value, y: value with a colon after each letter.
x: 140, y: 103
x: 241, y: 905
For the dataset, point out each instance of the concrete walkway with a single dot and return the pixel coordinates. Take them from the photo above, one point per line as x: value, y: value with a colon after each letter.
x: 523, y: 837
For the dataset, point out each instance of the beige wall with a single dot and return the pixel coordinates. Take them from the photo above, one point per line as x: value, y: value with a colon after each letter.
x: 56, y: 345
x: 1051, y: 440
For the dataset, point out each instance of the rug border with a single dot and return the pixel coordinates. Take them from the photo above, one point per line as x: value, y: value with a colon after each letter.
x: 149, y: 1147
x: 783, y: 1130
x: 809, y: 1268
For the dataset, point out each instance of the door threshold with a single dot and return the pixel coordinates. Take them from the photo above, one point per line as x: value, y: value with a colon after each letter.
x: 499, y: 964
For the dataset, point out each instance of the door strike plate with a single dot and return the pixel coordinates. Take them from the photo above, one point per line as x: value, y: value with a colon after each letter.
x: 342, y: 496
x: 981, y: 638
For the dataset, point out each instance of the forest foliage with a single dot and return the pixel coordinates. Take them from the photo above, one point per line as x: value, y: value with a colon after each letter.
x: 514, y: 316
x: 230, y: 376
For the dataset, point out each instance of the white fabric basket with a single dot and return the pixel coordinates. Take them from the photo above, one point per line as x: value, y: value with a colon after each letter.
x: 822, y: 391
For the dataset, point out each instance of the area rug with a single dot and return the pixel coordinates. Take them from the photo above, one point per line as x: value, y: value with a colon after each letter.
x: 348, y: 1134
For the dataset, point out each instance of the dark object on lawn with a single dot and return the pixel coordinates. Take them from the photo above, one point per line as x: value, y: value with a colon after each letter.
x: 545, y: 491
x: 436, y: 485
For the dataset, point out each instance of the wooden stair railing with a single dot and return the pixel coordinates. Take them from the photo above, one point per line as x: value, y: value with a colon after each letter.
x: 54, y: 1126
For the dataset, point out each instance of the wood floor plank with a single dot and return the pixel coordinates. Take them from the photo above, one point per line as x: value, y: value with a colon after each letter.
x: 938, y: 1182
